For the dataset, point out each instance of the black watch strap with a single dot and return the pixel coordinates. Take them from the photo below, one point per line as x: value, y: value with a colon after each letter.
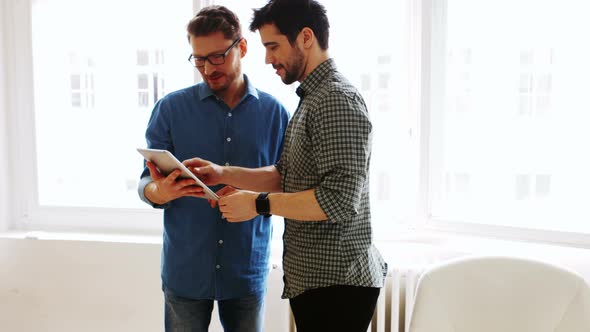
x: 263, y: 205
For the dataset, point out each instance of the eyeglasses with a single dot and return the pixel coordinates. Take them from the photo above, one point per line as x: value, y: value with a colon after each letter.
x: 214, y: 59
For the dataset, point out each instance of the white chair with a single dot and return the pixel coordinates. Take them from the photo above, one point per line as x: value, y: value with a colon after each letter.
x: 500, y: 294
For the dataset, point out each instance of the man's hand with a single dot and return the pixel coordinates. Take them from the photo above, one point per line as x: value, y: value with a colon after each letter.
x: 237, y: 205
x: 208, y: 172
x: 164, y: 189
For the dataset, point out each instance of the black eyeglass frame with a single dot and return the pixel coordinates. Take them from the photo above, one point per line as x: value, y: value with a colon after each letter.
x: 219, y: 58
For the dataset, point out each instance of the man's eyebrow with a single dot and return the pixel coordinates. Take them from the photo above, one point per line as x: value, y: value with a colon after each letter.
x: 269, y: 43
x: 210, y: 54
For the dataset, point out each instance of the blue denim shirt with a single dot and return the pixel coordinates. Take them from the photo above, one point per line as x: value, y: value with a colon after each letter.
x: 204, y: 256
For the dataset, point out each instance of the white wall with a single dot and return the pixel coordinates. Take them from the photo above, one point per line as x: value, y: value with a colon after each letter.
x: 90, y: 286
x: 72, y: 286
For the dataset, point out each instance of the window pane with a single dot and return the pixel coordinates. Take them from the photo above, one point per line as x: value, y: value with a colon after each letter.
x: 92, y: 161
x: 381, y: 75
x: 142, y: 58
x: 142, y: 81
x: 76, y: 99
x: 143, y: 99
x: 523, y: 186
x: 75, y: 80
x: 543, y: 187
x: 379, y: 67
x: 524, y: 146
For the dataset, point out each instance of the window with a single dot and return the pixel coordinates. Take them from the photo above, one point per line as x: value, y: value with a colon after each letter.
x: 536, y: 82
x: 95, y: 76
x: 150, y: 77
x: 459, y: 81
x: 478, y: 108
x: 81, y: 81
x: 87, y: 159
x: 509, y: 75
x: 77, y: 107
x: 532, y: 186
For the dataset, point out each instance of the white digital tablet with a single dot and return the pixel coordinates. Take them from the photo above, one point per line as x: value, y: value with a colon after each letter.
x: 166, y: 163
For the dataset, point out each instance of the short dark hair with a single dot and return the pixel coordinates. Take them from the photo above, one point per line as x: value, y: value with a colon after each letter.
x: 213, y: 19
x: 291, y: 16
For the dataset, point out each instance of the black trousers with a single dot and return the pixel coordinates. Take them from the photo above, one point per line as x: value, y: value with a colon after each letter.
x: 334, y: 308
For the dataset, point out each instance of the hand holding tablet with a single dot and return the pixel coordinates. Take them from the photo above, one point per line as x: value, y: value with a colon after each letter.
x: 166, y: 163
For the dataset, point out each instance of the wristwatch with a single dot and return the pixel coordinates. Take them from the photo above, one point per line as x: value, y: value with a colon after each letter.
x: 263, y: 205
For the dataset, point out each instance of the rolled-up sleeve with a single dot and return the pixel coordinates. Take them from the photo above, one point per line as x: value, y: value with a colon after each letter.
x: 341, y: 136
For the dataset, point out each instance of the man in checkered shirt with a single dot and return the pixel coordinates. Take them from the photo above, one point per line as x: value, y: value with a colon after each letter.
x: 333, y: 272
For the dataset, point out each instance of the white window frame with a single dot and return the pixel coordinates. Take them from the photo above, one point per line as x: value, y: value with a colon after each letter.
x: 25, y: 212
x: 432, y: 16
x: 20, y: 195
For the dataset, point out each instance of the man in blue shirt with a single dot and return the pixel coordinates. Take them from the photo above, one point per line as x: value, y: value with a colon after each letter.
x: 226, y: 120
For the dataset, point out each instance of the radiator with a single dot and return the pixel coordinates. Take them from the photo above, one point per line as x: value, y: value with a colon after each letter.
x: 396, y: 300
x: 394, y: 304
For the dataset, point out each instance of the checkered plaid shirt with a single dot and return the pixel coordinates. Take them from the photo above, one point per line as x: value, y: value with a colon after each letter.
x: 328, y: 147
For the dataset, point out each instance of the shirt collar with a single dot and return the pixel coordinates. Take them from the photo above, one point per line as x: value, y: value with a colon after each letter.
x: 316, y: 77
x: 204, y: 92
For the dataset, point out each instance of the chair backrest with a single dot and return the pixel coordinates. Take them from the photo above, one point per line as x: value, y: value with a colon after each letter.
x: 500, y: 294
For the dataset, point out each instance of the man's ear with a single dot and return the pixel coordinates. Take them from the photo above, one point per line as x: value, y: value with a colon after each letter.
x: 308, y: 37
x: 243, y: 45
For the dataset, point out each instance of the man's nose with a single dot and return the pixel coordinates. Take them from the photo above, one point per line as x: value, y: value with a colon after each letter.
x: 268, y: 59
x: 209, y: 68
